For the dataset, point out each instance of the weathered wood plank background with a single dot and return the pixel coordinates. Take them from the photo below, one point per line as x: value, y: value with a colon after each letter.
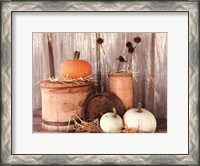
x: 149, y: 63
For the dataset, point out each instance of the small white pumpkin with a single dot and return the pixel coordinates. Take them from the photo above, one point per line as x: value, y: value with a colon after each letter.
x: 110, y: 122
x: 141, y: 119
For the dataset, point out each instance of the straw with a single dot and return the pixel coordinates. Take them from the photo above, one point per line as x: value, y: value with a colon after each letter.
x: 94, y: 127
x: 80, y: 80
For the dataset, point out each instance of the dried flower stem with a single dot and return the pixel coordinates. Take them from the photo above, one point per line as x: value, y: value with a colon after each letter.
x: 129, y: 62
x: 119, y: 66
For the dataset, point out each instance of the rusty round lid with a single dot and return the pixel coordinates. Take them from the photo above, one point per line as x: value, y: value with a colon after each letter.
x: 55, y: 85
x: 99, y: 103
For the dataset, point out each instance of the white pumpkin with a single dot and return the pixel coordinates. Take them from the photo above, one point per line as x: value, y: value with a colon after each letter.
x: 141, y: 119
x: 110, y: 122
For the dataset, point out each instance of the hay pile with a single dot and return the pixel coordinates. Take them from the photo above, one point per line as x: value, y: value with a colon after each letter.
x: 94, y: 127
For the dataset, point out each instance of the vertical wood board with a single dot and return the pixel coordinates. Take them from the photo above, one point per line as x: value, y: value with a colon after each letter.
x: 149, y: 64
x: 160, y: 69
x: 40, y: 66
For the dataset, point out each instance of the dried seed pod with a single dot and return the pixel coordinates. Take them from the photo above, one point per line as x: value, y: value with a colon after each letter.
x: 131, y: 50
x: 100, y: 40
x: 129, y: 44
x: 137, y: 39
x: 121, y: 59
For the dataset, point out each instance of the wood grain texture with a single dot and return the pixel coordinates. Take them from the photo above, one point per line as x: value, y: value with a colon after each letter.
x: 137, y: 66
x: 40, y: 65
x: 148, y: 63
x: 160, y: 69
x: 51, y: 59
x: 98, y: 60
x: 113, y: 47
x: 65, y: 44
x: 60, y: 103
x: 121, y: 84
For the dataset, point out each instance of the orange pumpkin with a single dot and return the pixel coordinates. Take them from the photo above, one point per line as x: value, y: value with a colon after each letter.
x: 76, y: 68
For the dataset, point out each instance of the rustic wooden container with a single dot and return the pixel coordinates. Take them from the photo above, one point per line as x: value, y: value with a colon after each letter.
x: 99, y: 103
x: 122, y: 85
x: 60, y: 101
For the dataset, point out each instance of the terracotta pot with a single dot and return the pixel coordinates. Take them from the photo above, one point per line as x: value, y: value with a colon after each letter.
x: 122, y: 85
x: 60, y: 102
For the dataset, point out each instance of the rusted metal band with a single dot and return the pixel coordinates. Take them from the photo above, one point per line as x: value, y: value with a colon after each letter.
x: 57, y: 123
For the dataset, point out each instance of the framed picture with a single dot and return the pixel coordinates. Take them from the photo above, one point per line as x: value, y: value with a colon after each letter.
x: 104, y: 87
x: 99, y: 82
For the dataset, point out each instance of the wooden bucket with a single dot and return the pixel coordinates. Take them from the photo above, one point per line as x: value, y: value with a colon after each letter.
x: 122, y: 85
x: 60, y: 102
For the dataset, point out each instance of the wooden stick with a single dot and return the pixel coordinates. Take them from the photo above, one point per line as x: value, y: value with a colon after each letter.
x: 51, y: 61
x: 98, y: 64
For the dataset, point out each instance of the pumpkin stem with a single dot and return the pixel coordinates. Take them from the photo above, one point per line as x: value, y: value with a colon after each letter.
x: 139, y: 107
x: 114, y: 113
x: 76, y: 55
